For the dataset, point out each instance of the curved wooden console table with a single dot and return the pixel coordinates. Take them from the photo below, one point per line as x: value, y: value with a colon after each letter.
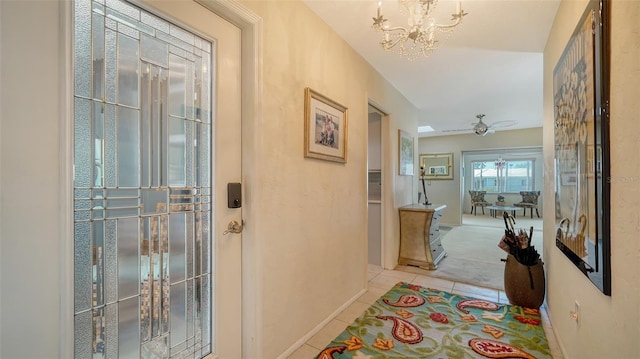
x: 420, y: 235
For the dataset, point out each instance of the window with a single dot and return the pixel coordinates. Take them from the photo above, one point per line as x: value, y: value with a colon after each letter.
x: 503, y: 176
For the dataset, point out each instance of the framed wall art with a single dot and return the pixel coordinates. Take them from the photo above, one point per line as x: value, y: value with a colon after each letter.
x: 437, y: 166
x: 581, y: 134
x: 325, y: 128
x: 405, y: 153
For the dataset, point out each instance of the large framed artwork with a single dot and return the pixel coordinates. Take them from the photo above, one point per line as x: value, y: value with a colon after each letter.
x: 405, y: 153
x: 581, y: 134
x: 325, y: 128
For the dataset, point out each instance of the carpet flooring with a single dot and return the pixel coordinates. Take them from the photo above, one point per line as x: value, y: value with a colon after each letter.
x: 473, y: 256
x: 411, y: 321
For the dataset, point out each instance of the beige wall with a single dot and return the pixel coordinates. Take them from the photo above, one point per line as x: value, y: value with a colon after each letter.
x: 608, y: 325
x: 31, y: 246
x: 312, y: 223
x: 450, y: 192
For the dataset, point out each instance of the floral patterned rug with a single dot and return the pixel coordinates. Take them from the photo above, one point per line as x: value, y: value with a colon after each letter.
x: 411, y: 321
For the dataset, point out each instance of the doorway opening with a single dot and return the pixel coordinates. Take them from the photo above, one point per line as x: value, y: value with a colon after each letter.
x: 374, y: 187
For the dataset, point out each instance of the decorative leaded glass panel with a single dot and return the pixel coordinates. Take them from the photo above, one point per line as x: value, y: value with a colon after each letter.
x: 142, y: 126
x: 128, y: 60
x: 82, y: 55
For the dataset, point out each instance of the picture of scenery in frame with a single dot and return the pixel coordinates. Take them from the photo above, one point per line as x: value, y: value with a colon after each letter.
x: 405, y: 153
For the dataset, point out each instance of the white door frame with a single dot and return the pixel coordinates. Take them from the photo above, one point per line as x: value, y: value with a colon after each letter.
x: 386, y: 206
x: 252, y: 30
x: 384, y: 117
x: 251, y: 26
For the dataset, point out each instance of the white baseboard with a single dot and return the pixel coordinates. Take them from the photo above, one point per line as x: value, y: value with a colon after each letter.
x: 321, y: 325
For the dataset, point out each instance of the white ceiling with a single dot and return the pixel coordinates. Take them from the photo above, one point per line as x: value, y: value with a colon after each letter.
x: 491, y: 64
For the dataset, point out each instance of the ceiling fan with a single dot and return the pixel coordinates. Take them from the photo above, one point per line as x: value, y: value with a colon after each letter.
x: 482, y: 129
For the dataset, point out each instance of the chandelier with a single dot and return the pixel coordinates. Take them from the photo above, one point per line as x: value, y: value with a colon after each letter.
x: 500, y: 179
x: 419, y: 38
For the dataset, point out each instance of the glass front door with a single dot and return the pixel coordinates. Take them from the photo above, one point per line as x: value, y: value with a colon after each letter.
x: 142, y: 185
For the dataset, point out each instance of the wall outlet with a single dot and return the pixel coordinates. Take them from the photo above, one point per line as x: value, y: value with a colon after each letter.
x: 575, y: 313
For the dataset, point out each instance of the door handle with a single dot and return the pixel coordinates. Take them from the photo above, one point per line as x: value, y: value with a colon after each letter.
x: 233, y: 227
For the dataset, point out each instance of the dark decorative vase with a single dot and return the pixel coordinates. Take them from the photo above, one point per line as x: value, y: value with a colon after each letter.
x: 524, y: 285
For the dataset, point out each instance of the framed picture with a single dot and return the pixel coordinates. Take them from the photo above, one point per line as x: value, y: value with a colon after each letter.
x: 438, y: 170
x: 325, y: 128
x: 581, y: 97
x: 405, y: 153
x: 436, y: 166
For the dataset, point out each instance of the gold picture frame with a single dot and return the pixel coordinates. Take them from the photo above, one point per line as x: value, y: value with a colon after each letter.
x: 437, y: 166
x: 325, y: 128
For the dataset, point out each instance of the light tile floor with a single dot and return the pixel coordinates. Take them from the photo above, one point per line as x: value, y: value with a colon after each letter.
x: 380, y: 281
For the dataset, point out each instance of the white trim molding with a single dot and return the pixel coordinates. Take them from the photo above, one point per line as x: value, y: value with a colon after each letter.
x: 252, y: 82
x: 66, y: 347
